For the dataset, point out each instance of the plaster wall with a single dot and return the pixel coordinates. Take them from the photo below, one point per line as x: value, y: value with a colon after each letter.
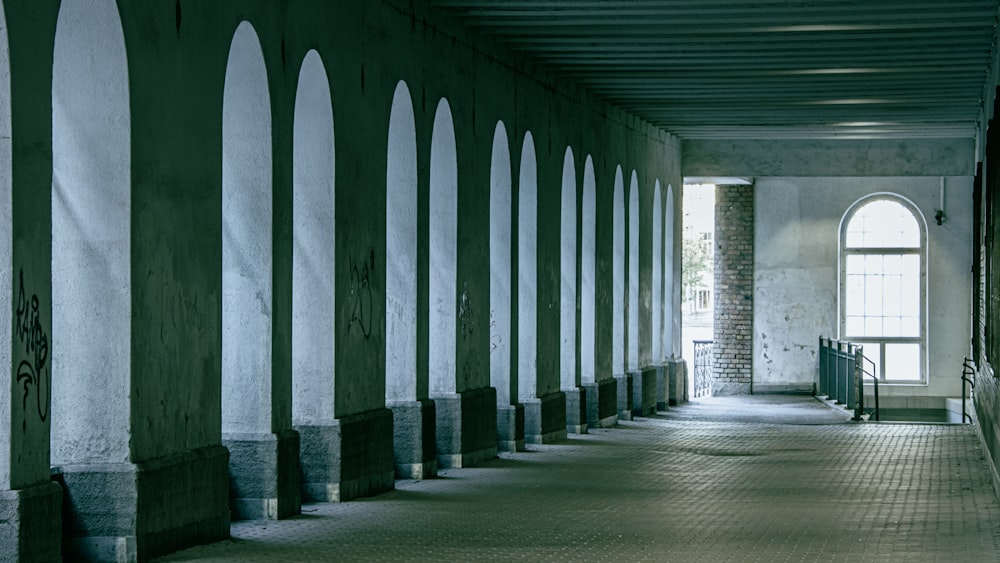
x: 797, y: 229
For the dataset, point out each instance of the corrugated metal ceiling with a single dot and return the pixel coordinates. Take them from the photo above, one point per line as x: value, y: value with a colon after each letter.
x: 762, y: 69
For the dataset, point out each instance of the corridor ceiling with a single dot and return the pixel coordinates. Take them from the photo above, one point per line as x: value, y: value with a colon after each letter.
x: 762, y: 69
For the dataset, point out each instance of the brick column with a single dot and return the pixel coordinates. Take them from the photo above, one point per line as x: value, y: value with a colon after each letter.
x: 732, y: 364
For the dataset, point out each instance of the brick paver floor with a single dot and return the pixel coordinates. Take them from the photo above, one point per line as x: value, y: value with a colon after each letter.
x: 758, y: 478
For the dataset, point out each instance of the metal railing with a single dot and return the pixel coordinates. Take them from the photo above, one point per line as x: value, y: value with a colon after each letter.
x: 702, y: 368
x: 968, y: 377
x: 842, y: 369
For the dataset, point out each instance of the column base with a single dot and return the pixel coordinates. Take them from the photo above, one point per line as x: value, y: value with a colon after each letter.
x: 466, y: 427
x: 32, y: 524
x: 350, y: 457
x: 545, y: 419
x: 576, y: 410
x: 510, y: 428
x: 644, y: 392
x: 414, y: 439
x: 677, y: 390
x: 602, y: 403
x: 134, y: 512
x: 264, y: 476
x: 624, y: 383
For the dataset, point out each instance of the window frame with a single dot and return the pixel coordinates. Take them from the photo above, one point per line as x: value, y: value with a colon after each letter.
x: 921, y: 251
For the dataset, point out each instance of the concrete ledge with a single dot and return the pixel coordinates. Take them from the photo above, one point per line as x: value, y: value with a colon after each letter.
x: 785, y: 389
x: 510, y: 428
x: 644, y: 392
x: 723, y: 388
x: 466, y: 427
x: 31, y: 529
x: 625, y: 400
x: 576, y: 410
x: 264, y: 475
x: 545, y: 419
x: 414, y: 439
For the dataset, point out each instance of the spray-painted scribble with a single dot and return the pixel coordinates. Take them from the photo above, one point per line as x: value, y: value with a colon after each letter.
x: 32, y: 372
x: 361, y: 295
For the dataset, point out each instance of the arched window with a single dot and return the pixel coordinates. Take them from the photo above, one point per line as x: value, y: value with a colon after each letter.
x: 247, y: 255
x: 313, y: 252
x: 527, y: 272
x: 91, y: 250
x: 618, y: 277
x: 883, y: 285
x: 657, y: 305
x: 401, y: 251
x: 443, y: 250
x: 633, y: 273
x: 588, y: 273
x: 500, y: 267
x: 567, y: 295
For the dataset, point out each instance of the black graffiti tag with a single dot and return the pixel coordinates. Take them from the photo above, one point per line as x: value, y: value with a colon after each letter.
x: 361, y: 295
x: 29, y: 333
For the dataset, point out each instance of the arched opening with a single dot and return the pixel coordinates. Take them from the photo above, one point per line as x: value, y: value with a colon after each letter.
x: 91, y: 251
x: 588, y: 273
x: 883, y: 242
x: 313, y: 230
x: 246, y: 239
x: 668, y: 273
x: 657, y: 305
x: 401, y: 251
x: 633, y: 273
x: 567, y: 294
x: 443, y: 250
x: 527, y: 272
x: 500, y: 271
x: 618, y: 276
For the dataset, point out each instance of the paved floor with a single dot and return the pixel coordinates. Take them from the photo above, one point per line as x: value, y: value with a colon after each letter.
x: 759, y: 478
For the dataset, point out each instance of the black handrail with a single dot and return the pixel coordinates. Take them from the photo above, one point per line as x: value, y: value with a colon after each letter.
x: 842, y: 367
x: 968, y: 376
x: 874, y: 377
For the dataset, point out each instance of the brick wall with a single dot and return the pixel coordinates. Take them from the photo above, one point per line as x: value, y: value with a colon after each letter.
x: 732, y: 364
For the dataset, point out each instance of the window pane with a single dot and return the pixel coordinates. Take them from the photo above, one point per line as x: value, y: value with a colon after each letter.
x: 873, y: 326
x: 883, y: 224
x: 891, y: 296
x: 873, y: 264
x: 892, y: 264
x: 855, y: 326
x: 855, y: 295
x: 873, y: 295
x: 902, y: 362
x: 890, y: 326
x: 909, y: 326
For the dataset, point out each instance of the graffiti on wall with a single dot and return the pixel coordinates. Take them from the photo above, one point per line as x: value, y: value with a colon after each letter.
x: 32, y: 373
x: 361, y: 295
